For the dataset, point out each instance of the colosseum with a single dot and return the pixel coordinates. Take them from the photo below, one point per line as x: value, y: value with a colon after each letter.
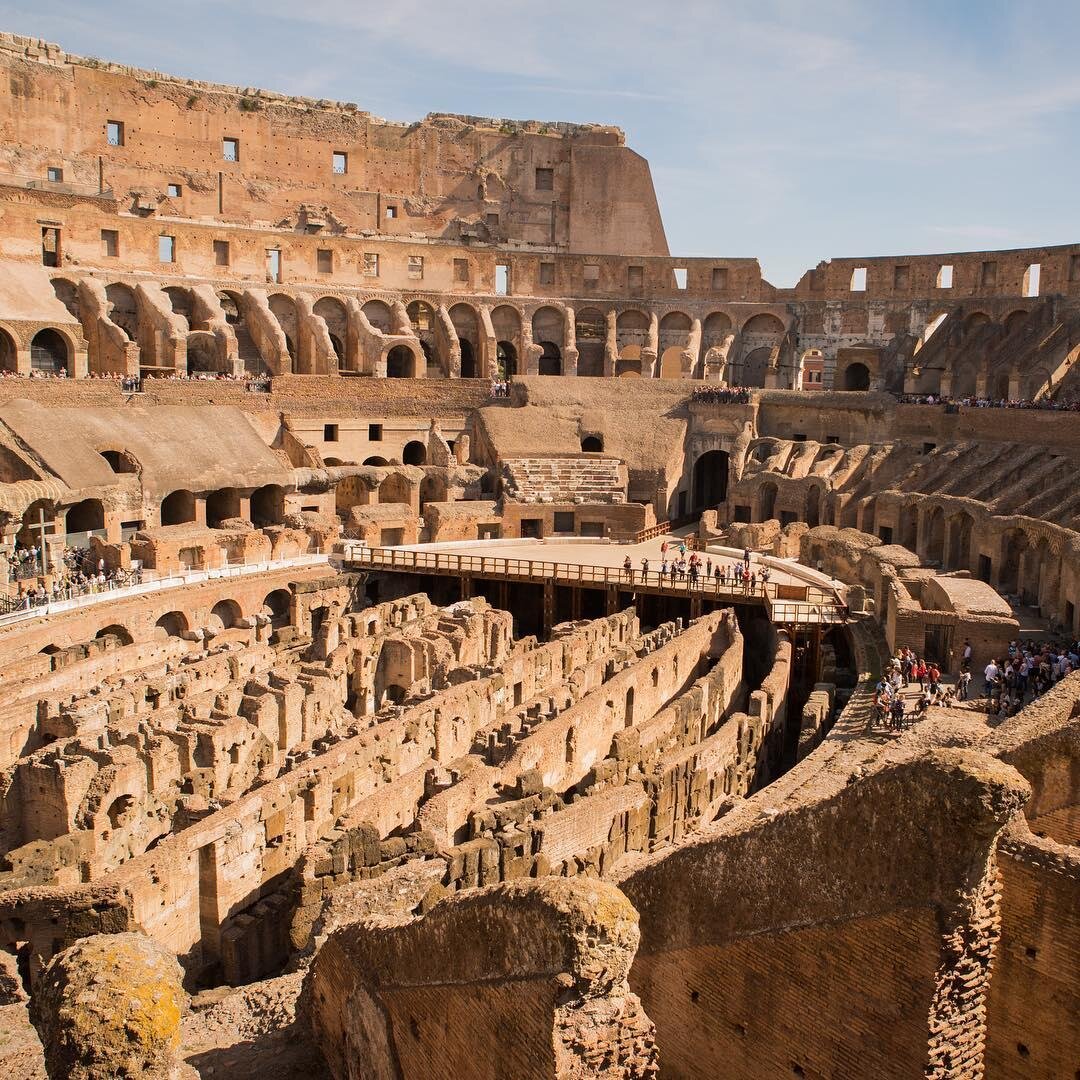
x: 445, y: 635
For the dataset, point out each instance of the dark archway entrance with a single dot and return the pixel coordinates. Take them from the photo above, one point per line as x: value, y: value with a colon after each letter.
x: 49, y: 352
x: 401, y: 363
x: 710, y: 479
x: 506, y: 356
x: 468, y: 360
x: 856, y: 377
x: 550, y: 359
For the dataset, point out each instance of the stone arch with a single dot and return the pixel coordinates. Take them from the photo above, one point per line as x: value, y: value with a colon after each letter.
x: 401, y: 363
x: 202, y: 352
x: 375, y: 461
x: 277, y: 605
x: 908, y: 533
x: 506, y: 359
x: 379, y: 315
x: 812, y: 516
x: 467, y: 327
x: 123, y: 308
x: 332, y: 311
x: 122, y: 811
x: 171, y: 624
x: 115, y: 630
x: 763, y: 323
x: 752, y: 368
x: 50, y: 351
x: 268, y: 505
x: 181, y: 301
x: 715, y: 328
x: 85, y: 517
x: 549, y: 324
x: 631, y: 329
x: 29, y: 534
x: 224, y: 615
x: 9, y: 352
x: 506, y: 323
x: 710, y: 479
x: 395, y: 488
x: 550, y: 358
x: 590, y: 330
x: 221, y: 505
x: 178, y: 507
x: 629, y: 366
x: 415, y: 453
x: 671, y: 363
x: 1014, y: 320
x: 973, y: 320
x: 856, y: 376
x: 231, y: 307
x: 592, y: 444
x: 120, y: 461
x: 67, y: 292
x: 964, y: 381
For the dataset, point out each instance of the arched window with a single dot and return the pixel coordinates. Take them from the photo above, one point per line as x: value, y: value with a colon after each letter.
x: 49, y: 352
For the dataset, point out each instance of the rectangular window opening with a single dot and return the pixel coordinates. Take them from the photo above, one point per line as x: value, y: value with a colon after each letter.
x: 110, y: 243
x: 166, y: 249
x: 50, y: 246
x: 374, y: 432
x: 635, y: 277
x: 944, y: 277
x: 114, y: 133
x: 273, y: 265
x: 493, y: 223
x: 502, y: 279
x: 416, y: 267
x: 901, y: 276
x: 324, y: 261
x: 547, y: 273
x: 680, y: 277
x: 545, y: 179
x: 230, y: 149
x: 391, y: 213
x: 988, y: 275
x: 591, y: 275
x: 175, y: 191
x: 461, y: 270
x: 54, y: 174
x: 1032, y: 276
x: 221, y: 252
x: 330, y: 433
x: 858, y: 279
x: 719, y: 278
x: 340, y: 163
x: 1074, y: 268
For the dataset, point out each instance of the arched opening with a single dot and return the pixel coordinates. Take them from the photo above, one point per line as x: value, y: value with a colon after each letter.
x: 768, y: 501
x: 631, y: 331
x: 181, y: 302
x: 268, y: 505
x: 752, y: 369
x: 230, y: 307
x: 468, y: 359
x: 401, y: 363
x: 375, y: 461
x: 592, y: 444
x: 378, y: 314
x: 1014, y: 544
x: 964, y: 381
x: 120, y: 633
x: 85, y: 517
x: 422, y: 318
x: 283, y: 309
x: 68, y: 294
x: 224, y: 615
x: 550, y: 359
x: 590, y: 331
x: 415, y: 453
x: 506, y: 359
x: 222, y: 505
x: 856, y: 377
x: 38, y: 512
x: 1014, y: 320
x: 395, y: 489
x: 673, y: 338
x: 171, y: 624
x: 627, y: 367
x: 628, y: 708
x: 122, y: 811
x: 909, y: 526
x: 960, y: 541
x: 9, y: 360
x: 935, y: 536
x: 123, y: 309
x: 813, y: 507
x: 178, y: 508
x: 332, y: 312
x: 763, y: 324
x: 710, y: 479
x: 119, y: 461
x: 715, y: 329
x: 202, y: 352
x: 278, y: 606
x: 671, y: 363
x: 49, y: 352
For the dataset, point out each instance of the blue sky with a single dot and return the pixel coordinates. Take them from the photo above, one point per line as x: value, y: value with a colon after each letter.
x: 782, y: 129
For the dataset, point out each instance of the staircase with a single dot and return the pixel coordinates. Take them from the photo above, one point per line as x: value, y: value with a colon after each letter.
x: 584, y: 479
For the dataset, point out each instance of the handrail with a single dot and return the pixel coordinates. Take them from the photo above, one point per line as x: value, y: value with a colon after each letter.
x: 819, y: 605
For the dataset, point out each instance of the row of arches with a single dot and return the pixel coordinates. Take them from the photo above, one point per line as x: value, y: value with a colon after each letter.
x: 51, y: 352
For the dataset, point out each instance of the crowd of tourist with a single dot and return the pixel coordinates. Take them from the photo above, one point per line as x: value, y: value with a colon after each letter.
x: 721, y: 395
x: 990, y: 403
x: 133, y: 384
x: 677, y: 568
x: 890, y: 709
x: 79, y: 575
x: 500, y: 388
x: 1026, y: 673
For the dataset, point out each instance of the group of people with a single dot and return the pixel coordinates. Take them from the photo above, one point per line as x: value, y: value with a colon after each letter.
x: 79, y: 576
x: 990, y: 403
x: 1026, y: 673
x: 677, y: 566
x: 256, y: 384
x: 891, y: 710
x: 500, y: 388
x: 24, y: 563
x: 721, y: 395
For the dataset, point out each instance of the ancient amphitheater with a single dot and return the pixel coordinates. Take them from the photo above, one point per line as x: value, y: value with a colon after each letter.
x: 337, y: 738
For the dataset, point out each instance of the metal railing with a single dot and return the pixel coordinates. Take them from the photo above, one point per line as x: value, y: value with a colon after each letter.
x: 813, y: 605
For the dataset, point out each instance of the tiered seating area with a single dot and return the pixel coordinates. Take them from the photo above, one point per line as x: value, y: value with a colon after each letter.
x: 562, y: 479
